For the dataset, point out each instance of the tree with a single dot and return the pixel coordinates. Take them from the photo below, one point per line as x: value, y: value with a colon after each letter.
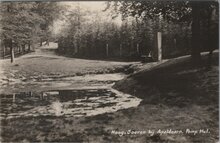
x: 23, y: 23
x: 49, y: 12
x: 17, y: 24
x: 189, y: 11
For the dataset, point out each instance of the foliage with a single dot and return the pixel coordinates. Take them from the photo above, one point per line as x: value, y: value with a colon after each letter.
x: 24, y: 22
x: 130, y: 39
x: 195, y: 13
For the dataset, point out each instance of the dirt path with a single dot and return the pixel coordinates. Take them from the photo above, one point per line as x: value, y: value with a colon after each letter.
x: 44, y: 67
x: 43, y: 85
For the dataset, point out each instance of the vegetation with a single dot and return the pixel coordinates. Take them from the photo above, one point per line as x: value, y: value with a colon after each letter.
x: 26, y: 23
x: 183, y: 25
x: 129, y: 39
x: 197, y: 13
x: 187, y: 28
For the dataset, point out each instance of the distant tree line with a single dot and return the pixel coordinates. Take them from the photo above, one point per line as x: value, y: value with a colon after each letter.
x: 183, y: 25
x: 201, y: 15
x: 131, y: 39
x: 187, y: 27
x: 24, y: 24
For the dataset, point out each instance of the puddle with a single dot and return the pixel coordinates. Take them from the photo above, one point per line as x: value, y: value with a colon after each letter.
x: 98, y: 77
x: 63, y: 81
x: 68, y: 103
x: 87, y: 78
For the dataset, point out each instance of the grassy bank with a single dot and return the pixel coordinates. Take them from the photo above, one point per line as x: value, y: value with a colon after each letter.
x: 185, y: 92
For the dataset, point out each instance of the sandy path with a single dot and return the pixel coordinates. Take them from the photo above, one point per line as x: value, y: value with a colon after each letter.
x: 34, y: 70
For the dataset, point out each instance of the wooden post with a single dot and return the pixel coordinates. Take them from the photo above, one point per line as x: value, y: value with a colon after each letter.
x: 14, y: 97
x: 138, y: 51
x: 107, y: 50
x: 30, y: 94
x: 23, y: 48
x: 11, y: 50
x: 120, y: 50
x: 19, y: 49
x: 29, y: 46
x: 159, y: 41
x: 157, y: 52
x: 12, y: 54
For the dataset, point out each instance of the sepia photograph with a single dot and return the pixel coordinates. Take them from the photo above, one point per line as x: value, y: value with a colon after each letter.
x: 137, y: 71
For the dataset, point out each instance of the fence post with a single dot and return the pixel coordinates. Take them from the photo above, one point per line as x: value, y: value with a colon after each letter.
x: 19, y: 49
x: 12, y: 54
x: 157, y: 51
x: 138, y: 51
x: 29, y: 46
x: 23, y: 48
x: 14, y: 97
x: 159, y: 41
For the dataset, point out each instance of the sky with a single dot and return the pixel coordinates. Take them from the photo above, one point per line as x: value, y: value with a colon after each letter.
x: 91, y: 5
x: 97, y: 6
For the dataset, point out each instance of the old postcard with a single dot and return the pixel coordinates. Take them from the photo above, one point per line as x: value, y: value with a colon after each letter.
x: 109, y: 71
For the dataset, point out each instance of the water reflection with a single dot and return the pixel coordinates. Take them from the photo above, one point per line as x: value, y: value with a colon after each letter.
x: 81, y: 102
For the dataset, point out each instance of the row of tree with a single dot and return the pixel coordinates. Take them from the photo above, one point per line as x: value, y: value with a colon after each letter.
x: 201, y: 15
x: 186, y: 28
x: 131, y: 39
x: 25, y: 23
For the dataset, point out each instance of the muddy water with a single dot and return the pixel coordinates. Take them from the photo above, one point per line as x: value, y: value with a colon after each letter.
x: 69, y: 103
x: 47, y: 81
x: 70, y: 96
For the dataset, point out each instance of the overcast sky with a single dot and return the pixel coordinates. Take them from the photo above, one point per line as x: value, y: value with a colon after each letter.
x: 91, y: 5
x: 96, y: 6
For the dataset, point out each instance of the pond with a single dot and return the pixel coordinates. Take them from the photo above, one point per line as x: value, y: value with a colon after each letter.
x: 68, y: 103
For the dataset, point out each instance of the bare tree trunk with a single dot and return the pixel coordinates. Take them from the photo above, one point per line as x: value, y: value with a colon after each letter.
x: 19, y: 49
x: 23, y: 48
x: 29, y: 46
x: 12, y: 53
x: 138, y: 51
x: 14, y: 97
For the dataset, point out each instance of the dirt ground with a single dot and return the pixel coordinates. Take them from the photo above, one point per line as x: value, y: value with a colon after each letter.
x: 44, y: 64
x: 180, y: 104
